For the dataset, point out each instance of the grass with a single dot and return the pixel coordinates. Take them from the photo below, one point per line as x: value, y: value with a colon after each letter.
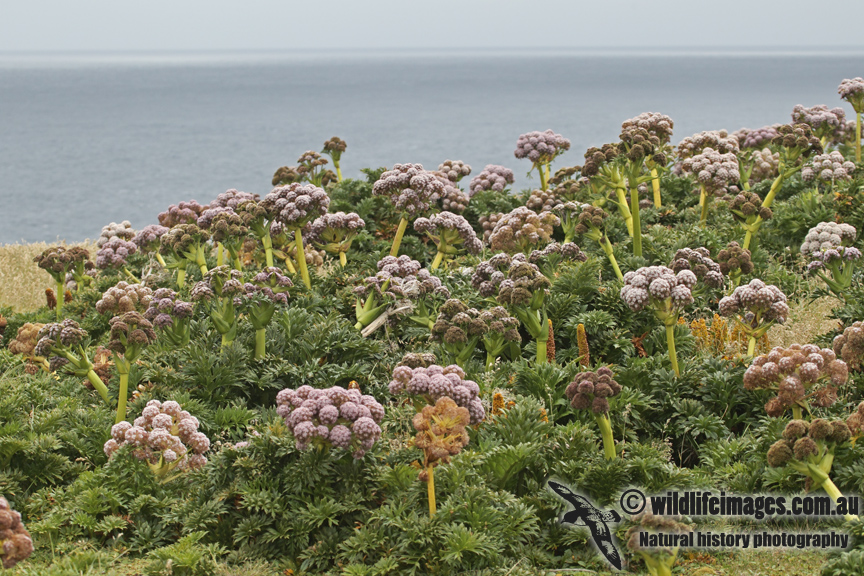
x: 22, y: 283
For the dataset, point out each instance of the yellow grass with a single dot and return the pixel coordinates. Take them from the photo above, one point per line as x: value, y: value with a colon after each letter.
x: 22, y: 282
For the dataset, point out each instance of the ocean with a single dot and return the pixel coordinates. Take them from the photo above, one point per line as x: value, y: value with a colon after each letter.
x: 90, y: 139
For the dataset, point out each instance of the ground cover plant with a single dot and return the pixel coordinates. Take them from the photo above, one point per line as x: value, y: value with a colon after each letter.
x: 298, y: 379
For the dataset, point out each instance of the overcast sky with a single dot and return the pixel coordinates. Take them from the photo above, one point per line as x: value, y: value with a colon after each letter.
x: 181, y: 25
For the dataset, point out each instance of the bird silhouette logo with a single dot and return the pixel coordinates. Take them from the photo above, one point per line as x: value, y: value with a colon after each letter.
x: 584, y: 513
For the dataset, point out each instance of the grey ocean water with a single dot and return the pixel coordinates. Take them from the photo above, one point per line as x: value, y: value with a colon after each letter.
x: 86, y: 140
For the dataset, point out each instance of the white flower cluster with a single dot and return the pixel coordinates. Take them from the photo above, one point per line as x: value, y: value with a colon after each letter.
x: 410, y: 188
x: 718, y: 140
x: 436, y: 382
x: 715, y: 170
x: 653, y: 285
x: 828, y: 236
x: 828, y: 168
x: 493, y: 177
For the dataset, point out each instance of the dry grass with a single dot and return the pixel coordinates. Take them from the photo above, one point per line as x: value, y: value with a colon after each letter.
x: 807, y: 320
x: 22, y: 282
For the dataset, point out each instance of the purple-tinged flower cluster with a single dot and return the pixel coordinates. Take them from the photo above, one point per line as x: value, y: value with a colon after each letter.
x: 165, y: 436
x: 403, y: 266
x: 823, y: 121
x: 114, y: 252
x: 410, y: 188
x: 166, y: 308
x: 734, y: 260
x: 493, y: 177
x: 66, y: 334
x: 15, y: 542
x: 717, y: 140
x: 182, y: 213
x: 487, y: 224
x: 827, y: 236
x: 221, y: 282
x: 423, y: 284
x: 454, y: 200
x: 337, y: 417
x: 852, y: 90
x: 131, y: 330
x: 657, y: 124
x: 457, y: 323
x: 541, y: 147
x: 436, y: 382
x: 295, y: 205
x: 523, y: 230
x: 336, y: 228
x: 747, y: 205
x: 757, y: 302
x: 123, y: 231
x: 567, y: 251
x: 766, y: 164
x: 597, y: 158
x: 800, y: 138
x: 415, y: 360
x: 756, y: 139
x: 147, y: 239
x: 387, y: 283
x: 794, y: 373
x: 654, y: 285
x: 233, y: 198
x: 850, y: 345
x: 714, y: 170
x: 269, y: 283
x: 125, y: 297
x: 454, y: 170
x: 700, y: 262
x: 543, y: 201
x: 449, y: 230
x: 591, y: 390
x: 828, y: 168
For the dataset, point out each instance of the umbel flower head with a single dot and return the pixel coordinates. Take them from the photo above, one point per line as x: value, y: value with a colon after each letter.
x: 415, y: 360
x: 25, y: 340
x: 850, y: 345
x: 182, y: 213
x: 170, y: 315
x: 449, y: 232
x: 335, y: 145
x: 184, y: 239
x: 147, y: 239
x: 123, y: 231
x: 829, y: 168
x: 441, y: 433
x: 801, y: 376
x: 114, y: 252
x: 543, y: 201
x: 493, y: 177
x: 58, y: 260
x: 756, y: 139
x: 757, y: 303
x: 232, y: 198
x: 454, y: 170
x: 597, y: 158
x: 295, y: 205
x: 713, y: 169
x: 165, y: 436
x: 699, y: 261
x: 766, y: 165
x: 746, y: 206
x: 805, y: 441
x: 821, y: 120
x: 658, y: 560
x: 591, y: 390
x: 410, y: 189
x: 124, y: 297
x: 15, y: 542
x: 655, y: 123
x: 828, y: 236
x: 435, y: 382
x: 718, y: 141
x: 458, y: 329
x: 130, y: 331
x: 734, y: 260
x: 660, y: 288
x: 333, y: 417
x: 828, y: 244
x: 487, y: 223
x: 335, y: 232
x: 852, y: 90
x: 523, y: 230
x: 799, y: 142
x: 855, y: 422
x: 541, y: 147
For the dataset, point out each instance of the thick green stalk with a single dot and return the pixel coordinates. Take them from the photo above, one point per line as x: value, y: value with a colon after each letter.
x: 655, y: 184
x: 541, y: 170
x: 121, y: 396
x: 769, y: 199
x: 181, y: 276
x: 267, y: 242
x: 338, y: 170
x: 607, y: 247
x: 220, y: 254
x: 490, y: 360
x: 430, y: 488
x: 98, y: 385
x: 857, y: 137
x: 704, y: 200
x: 751, y: 345
x: 606, y: 433
x: 61, y: 296
x: 343, y: 259
x: 796, y: 412
x: 637, y: 225
x: 260, y: 343
x: 397, y: 240
x: 161, y: 260
x: 437, y: 262
x: 670, y: 342
x: 541, y: 351
x: 301, y: 258
x: 226, y: 341
x: 624, y: 208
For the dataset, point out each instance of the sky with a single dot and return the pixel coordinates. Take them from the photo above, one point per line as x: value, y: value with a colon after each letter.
x: 264, y: 25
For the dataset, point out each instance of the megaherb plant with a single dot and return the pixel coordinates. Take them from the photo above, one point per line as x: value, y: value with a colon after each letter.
x: 829, y: 247
x: 853, y: 92
x: 541, y: 148
x: 412, y: 191
x: 15, y: 542
x: 59, y: 262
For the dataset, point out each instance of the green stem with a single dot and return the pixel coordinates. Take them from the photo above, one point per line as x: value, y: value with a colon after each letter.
x: 747, y: 238
x: 161, y: 260
x: 267, y: 242
x: 655, y: 183
x: 130, y: 276
x: 338, y: 171
x: 301, y: 258
x: 437, y: 262
x: 704, y: 200
x: 543, y: 184
x: 181, y: 276
x: 200, y: 260
x: 490, y: 361
x: 796, y: 412
x: 857, y: 137
x: 121, y: 396
x: 541, y: 351
x: 61, y: 296
x: 343, y: 259
x: 606, y: 432
x: 834, y: 492
x: 260, y: 343
x: 397, y: 240
x: 625, y: 209
x: 430, y: 488
x: 607, y: 247
x: 637, y: 225
x: 751, y: 346
x: 226, y: 341
x: 670, y: 342
x: 98, y: 385
x: 220, y: 254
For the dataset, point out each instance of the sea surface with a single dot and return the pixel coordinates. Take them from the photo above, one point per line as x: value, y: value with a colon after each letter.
x: 90, y: 139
